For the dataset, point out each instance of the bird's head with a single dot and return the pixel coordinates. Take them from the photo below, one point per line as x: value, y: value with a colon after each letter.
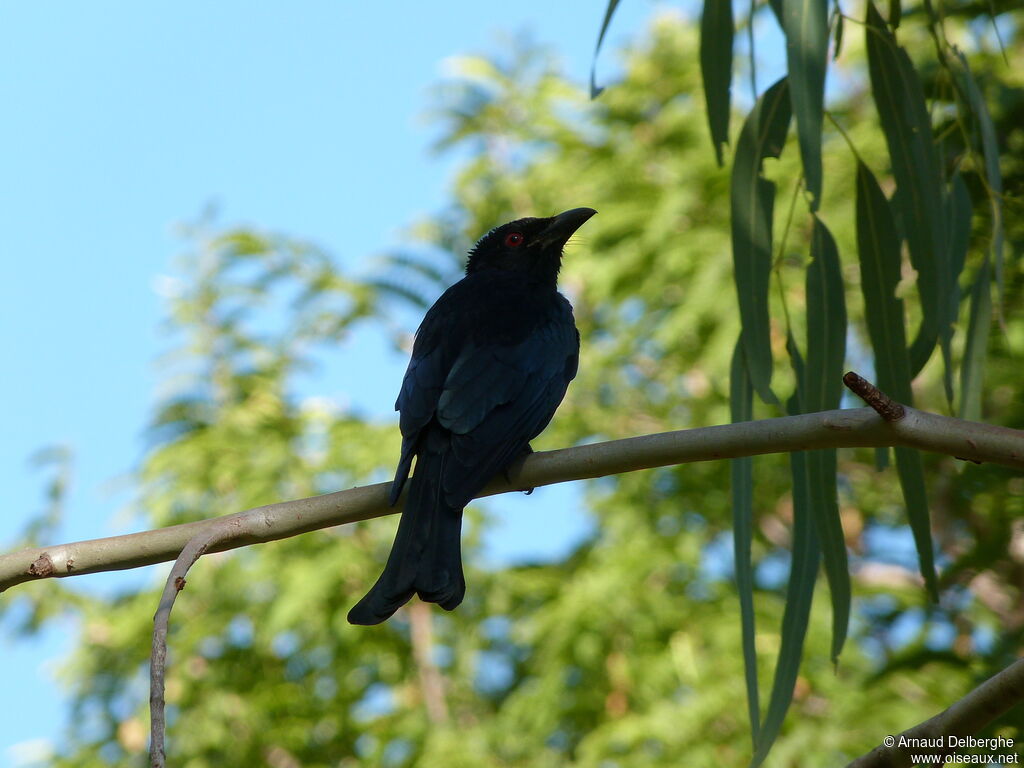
x: 528, y: 245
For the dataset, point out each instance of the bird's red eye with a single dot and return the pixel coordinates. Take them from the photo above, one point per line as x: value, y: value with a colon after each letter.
x: 513, y: 239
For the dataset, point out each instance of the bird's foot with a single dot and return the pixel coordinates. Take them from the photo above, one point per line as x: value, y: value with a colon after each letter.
x: 517, y: 464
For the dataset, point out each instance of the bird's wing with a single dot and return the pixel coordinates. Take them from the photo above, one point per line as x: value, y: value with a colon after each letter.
x: 417, y: 402
x: 439, y: 337
x: 493, y: 397
x: 497, y: 398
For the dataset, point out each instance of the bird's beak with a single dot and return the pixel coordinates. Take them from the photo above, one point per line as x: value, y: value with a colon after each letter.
x: 563, y: 225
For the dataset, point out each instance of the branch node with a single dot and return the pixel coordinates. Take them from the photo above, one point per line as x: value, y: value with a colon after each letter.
x: 42, y: 567
x: 884, y: 406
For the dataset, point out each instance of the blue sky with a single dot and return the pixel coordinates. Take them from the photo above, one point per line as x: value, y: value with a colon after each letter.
x: 122, y: 120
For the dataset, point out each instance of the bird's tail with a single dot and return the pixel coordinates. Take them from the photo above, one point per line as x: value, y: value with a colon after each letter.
x: 426, y: 558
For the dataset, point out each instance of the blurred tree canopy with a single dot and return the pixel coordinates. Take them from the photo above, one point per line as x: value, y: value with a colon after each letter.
x: 627, y: 652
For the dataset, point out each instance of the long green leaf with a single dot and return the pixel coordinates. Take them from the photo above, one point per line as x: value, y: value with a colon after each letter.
x: 741, y: 405
x: 958, y: 232
x: 904, y: 116
x: 911, y: 472
x: 826, y: 322
x: 895, y: 13
x: 882, y: 458
x: 609, y: 12
x: 795, y: 404
x: 805, y: 23
x: 716, y: 34
x: 878, y: 248
x: 803, y: 573
x: 838, y: 45
x: 802, y: 577
x: 879, y: 254
x: 972, y: 368
x: 993, y: 176
x: 826, y: 351
x: 752, y: 204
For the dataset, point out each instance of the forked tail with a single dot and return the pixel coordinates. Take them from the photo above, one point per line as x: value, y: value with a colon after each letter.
x: 426, y: 558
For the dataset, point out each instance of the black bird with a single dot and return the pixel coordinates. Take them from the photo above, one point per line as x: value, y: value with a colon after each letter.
x: 492, y: 361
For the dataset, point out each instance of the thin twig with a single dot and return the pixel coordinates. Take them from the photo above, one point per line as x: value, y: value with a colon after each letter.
x: 777, y: 265
x: 885, y: 406
x: 193, y: 550
x: 964, y: 718
x: 750, y: 42
x: 850, y: 428
x: 842, y: 132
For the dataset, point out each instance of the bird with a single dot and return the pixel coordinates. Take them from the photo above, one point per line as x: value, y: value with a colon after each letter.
x: 491, y: 361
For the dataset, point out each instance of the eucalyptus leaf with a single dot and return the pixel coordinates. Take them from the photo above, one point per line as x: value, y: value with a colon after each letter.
x: 752, y: 204
x: 716, y: 40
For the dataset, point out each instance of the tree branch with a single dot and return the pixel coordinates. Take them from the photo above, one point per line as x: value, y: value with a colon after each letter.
x: 216, y: 531
x: 431, y: 680
x: 852, y: 428
x: 965, y: 718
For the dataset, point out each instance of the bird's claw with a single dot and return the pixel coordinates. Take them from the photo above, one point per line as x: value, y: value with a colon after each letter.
x: 516, y: 465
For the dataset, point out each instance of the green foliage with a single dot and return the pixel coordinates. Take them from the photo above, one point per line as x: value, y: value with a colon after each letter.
x: 626, y: 653
x: 820, y: 389
x: 716, y: 37
x: 805, y: 23
x: 930, y: 210
x: 741, y: 408
x: 904, y: 117
x: 878, y: 249
x: 753, y: 201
